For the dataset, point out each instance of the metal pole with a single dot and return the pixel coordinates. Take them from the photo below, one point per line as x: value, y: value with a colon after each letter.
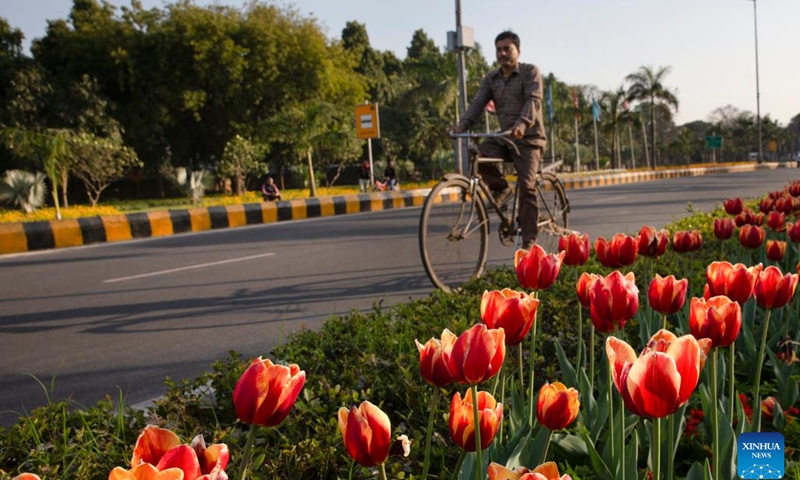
x: 462, y: 88
x: 630, y: 135
x: 596, y: 145
x: 577, y: 152
x: 758, y: 91
x: 371, y: 169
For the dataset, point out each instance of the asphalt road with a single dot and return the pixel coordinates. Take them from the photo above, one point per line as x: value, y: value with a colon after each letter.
x: 102, y: 319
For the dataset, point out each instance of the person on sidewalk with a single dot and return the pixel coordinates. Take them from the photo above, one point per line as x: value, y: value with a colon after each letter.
x: 363, y: 177
x: 517, y: 91
x: 270, y: 191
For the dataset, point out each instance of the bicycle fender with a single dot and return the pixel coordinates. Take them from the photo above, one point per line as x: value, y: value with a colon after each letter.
x: 455, y: 176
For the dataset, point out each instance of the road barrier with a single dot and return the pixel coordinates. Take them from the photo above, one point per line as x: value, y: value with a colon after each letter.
x: 43, y: 235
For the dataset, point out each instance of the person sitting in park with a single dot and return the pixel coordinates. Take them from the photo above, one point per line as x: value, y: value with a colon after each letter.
x: 270, y: 191
x: 389, y: 179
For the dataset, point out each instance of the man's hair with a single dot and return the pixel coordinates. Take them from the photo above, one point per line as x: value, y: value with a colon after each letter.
x: 508, y: 35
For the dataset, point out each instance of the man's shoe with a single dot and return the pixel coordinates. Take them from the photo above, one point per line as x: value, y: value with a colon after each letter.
x: 500, y: 196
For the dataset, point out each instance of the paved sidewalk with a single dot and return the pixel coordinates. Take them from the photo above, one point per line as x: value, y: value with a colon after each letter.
x: 32, y: 236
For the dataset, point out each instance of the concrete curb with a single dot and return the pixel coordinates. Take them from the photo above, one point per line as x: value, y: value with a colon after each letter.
x: 33, y: 236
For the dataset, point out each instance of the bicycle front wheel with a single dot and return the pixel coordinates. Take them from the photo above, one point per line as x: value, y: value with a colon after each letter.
x: 453, y: 234
x: 553, y: 212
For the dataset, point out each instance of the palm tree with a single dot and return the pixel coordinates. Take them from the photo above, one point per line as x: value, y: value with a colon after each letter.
x: 647, y: 85
x: 611, y: 104
x: 23, y: 189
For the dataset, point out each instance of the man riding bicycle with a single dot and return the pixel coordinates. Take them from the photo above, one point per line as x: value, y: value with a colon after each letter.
x: 516, y: 89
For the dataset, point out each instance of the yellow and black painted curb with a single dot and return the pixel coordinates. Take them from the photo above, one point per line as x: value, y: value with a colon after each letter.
x: 33, y: 236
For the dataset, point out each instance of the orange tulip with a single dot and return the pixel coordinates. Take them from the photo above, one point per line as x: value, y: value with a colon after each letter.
x: 433, y: 359
x: 652, y: 243
x: 734, y: 281
x: 265, y: 393
x: 613, y: 300
x: 774, y: 289
x: 687, y: 241
x: 545, y: 471
x: 576, y: 247
x: 159, y: 454
x: 667, y: 295
x: 621, y: 250
x: 723, y: 228
x: 584, y: 286
x: 367, y: 433
x: 536, y: 269
x: 718, y: 319
x: 733, y: 206
x: 510, y: 310
x: 776, y: 220
x: 557, y: 406
x: 477, y: 354
x: 661, y: 379
x: 775, y: 250
x: 751, y: 236
x: 26, y: 476
x: 462, y: 419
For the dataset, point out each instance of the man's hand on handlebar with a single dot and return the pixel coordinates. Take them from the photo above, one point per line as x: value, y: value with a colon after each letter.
x: 453, y: 130
x: 518, y: 131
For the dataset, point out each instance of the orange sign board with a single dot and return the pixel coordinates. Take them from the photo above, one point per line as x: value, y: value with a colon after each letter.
x: 773, y: 146
x: 367, y: 123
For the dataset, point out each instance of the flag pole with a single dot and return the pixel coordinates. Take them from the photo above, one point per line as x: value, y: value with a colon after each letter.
x: 577, y: 112
x: 595, y: 115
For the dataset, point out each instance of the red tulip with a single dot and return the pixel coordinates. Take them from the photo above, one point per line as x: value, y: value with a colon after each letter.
x: 776, y: 220
x: 766, y: 205
x: 477, y: 354
x: 545, y: 471
x: 652, y: 243
x: 661, y: 379
x: 462, y: 419
x: 784, y: 205
x: 613, y: 300
x: 747, y: 217
x: 733, y: 206
x: 367, y: 433
x: 723, y: 228
x: 26, y: 476
x: 159, y: 454
x: 776, y: 249
x: 687, y: 241
x: 433, y: 359
x: 794, y: 189
x: 536, y: 269
x: 774, y: 289
x: 265, y: 393
x: 584, y: 286
x: 510, y: 310
x: 718, y: 319
x: 734, y: 281
x: 793, y: 230
x: 667, y: 295
x: 576, y: 247
x: 557, y: 406
x: 618, y: 252
x: 751, y: 236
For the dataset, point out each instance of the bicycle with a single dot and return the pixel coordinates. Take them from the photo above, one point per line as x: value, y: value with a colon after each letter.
x: 454, y: 225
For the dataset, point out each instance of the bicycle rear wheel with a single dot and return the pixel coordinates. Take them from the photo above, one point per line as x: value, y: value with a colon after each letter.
x: 553, y: 212
x: 453, y: 235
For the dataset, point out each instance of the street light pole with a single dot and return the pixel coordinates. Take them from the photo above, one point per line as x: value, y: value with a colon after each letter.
x: 758, y: 91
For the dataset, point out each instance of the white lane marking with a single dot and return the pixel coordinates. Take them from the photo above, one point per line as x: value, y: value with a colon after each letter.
x: 190, y: 267
x: 609, y: 199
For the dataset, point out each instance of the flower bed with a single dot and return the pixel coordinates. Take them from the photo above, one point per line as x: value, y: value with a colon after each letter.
x: 698, y: 322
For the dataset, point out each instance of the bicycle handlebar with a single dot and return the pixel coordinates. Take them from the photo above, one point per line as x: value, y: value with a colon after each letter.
x: 503, y: 134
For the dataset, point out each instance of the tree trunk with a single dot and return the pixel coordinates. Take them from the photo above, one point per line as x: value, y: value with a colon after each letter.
x: 311, y: 181
x: 64, y: 179
x: 653, y: 130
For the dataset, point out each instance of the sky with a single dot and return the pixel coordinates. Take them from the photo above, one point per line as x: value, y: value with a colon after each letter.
x: 708, y: 44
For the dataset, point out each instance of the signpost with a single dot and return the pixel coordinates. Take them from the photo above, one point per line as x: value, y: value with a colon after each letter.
x: 714, y: 142
x: 368, y: 126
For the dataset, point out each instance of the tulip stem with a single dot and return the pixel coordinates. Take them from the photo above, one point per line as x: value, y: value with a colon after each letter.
x: 671, y: 448
x: 591, y: 356
x: 663, y: 322
x: 757, y: 386
x: 431, y: 417
x: 248, y: 448
x: 622, y: 435
x: 611, y: 411
x: 731, y: 382
x: 715, y: 400
x: 521, y: 370
x: 656, y: 447
x: 547, y: 445
x: 578, y: 363
x: 457, y: 470
x: 383, y: 471
x: 503, y: 400
x: 533, y: 368
x: 477, y: 426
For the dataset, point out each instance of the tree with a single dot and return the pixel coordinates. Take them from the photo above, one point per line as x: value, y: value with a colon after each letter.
x: 611, y: 106
x: 647, y: 85
x: 99, y: 161
x: 23, y: 189
x: 241, y: 158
